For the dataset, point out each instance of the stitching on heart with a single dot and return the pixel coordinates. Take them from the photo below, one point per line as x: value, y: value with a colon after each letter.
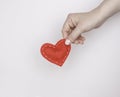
x: 54, y: 47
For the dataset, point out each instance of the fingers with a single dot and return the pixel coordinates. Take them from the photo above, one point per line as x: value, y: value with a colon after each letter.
x: 80, y: 40
x: 67, y: 27
x: 72, y: 30
x: 75, y: 34
x: 65, y: 30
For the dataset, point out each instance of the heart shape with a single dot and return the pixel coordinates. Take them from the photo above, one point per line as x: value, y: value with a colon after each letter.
x: 57, y: 53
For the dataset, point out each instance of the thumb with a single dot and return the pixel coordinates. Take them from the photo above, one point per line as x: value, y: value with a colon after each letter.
x: 75, y: 34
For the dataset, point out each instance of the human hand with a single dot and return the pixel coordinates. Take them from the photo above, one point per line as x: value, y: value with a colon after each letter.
x: 78, y: 23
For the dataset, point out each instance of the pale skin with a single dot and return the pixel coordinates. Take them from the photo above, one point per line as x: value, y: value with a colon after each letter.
x: 78, y: 23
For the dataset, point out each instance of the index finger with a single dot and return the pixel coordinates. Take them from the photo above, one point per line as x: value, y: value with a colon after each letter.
x: 67, y: 27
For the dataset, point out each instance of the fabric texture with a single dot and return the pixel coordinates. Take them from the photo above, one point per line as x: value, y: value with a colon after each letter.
x: 57, y: 53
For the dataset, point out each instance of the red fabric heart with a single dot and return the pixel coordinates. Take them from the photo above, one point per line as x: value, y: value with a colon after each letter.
x: 56, y: 54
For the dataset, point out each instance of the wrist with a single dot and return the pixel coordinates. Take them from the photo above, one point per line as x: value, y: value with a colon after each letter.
x: 99, y: 16
x: 108, y: 8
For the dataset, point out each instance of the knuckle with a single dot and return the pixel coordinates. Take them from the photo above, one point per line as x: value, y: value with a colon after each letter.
x: 70, y: 15
x: 63, y: 31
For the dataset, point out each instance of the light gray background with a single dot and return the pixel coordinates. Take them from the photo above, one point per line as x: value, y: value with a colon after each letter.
x: 91, y: 70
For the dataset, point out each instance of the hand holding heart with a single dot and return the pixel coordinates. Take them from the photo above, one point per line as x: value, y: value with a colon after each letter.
x: 75, y: 25
x: 78, y: 23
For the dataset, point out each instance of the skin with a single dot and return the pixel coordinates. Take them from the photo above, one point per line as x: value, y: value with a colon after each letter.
x: 78, y: 23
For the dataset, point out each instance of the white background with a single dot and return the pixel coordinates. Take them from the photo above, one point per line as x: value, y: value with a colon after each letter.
x: 91, y: 70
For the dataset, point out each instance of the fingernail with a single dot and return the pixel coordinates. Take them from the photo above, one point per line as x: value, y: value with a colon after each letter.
x: 67, y: 42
